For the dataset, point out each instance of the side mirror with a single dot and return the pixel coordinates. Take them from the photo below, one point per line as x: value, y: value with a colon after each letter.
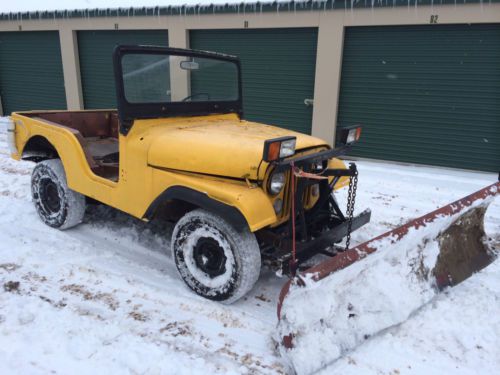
x: 189, y: 65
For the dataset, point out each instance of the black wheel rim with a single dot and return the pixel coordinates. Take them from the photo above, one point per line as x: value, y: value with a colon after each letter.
x: 49, y: 196
x: 209, y: 257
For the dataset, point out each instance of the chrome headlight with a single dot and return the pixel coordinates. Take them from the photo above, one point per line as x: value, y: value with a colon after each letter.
x: 276, y: 182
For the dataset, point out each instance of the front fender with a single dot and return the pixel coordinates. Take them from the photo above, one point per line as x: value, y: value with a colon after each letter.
x: 234, y: 201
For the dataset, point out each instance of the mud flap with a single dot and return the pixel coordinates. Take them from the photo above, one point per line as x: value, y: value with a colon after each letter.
x: 437, y: 250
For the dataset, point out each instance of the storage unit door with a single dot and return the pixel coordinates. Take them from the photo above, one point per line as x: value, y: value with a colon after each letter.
x: 424, y: 94
x: 278, y: 68
x: 31, y: 74
x: 95, y: 48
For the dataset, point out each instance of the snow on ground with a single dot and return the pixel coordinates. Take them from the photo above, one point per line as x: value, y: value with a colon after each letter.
x: 105, y: 296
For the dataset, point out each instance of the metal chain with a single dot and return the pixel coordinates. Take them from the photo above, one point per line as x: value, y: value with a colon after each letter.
x: 351, y: 200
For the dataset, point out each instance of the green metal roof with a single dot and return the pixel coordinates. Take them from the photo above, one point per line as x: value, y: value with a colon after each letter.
x: 231, y: 8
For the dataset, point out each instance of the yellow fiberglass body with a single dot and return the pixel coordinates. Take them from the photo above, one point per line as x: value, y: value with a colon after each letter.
x: 217, y: 155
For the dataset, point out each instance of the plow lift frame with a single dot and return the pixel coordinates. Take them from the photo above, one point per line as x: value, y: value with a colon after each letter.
x: 308, y: 246
x: 443, y: 276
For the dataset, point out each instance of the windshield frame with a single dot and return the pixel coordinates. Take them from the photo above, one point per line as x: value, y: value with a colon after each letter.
x: 128, y: 112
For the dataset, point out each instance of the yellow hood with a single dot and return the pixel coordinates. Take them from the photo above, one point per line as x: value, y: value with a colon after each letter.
x: 216, y: 145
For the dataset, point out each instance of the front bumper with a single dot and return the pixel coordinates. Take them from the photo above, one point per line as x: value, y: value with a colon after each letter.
x: 324, y: 243
x: 279, y: 256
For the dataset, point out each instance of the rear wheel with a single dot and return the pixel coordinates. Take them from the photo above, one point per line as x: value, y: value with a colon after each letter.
x: 57, y: 205
x: 214, y: 259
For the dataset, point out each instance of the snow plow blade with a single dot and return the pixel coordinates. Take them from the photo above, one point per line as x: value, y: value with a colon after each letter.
x: 333, y: 311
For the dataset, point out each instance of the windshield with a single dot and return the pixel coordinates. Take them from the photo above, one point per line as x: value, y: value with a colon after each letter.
x: 169, y: 78
x: 157, y: 82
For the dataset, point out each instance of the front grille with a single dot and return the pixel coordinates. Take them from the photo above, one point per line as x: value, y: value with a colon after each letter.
x: 285, y: 213
x: 307, y: 198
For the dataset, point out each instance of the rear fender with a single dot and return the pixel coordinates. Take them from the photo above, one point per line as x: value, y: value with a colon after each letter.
x: 69, y: 149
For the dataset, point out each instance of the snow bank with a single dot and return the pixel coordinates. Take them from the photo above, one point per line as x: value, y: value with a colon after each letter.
x: 457, y: 333
x: 335, y: 315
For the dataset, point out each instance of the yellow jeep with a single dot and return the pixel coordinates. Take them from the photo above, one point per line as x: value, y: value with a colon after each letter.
x: 178, y: 144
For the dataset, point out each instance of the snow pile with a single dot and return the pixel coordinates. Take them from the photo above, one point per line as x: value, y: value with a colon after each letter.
x: 331, y: 317
x: 457, y: 333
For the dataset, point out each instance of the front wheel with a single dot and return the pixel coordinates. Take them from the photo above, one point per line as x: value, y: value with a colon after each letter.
x: 57, y: 205
x: 215, y: 260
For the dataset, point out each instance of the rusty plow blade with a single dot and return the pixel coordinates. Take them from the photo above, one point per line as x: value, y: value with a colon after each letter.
x: 328, y: 310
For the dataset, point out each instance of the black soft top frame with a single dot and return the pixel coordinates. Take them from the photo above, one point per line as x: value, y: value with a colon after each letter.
x: 128, y: 112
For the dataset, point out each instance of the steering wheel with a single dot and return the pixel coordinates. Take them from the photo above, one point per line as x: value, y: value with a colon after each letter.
x: 190, y: 97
